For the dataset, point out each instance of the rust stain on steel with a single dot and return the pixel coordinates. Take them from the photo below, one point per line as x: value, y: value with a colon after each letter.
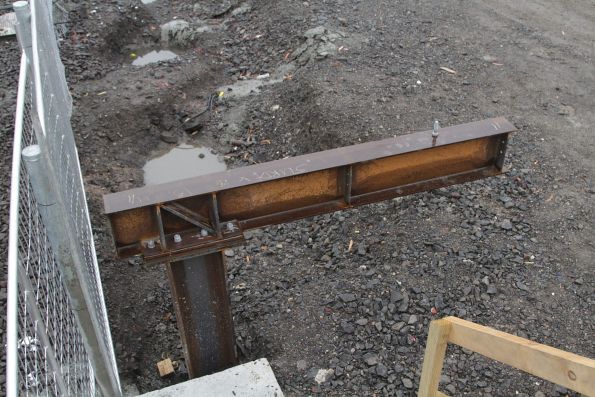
x: 203, y: 313
x: 429, y: 163
x: 150, y: 195
x: 302, y: 186
x: 278, y: 195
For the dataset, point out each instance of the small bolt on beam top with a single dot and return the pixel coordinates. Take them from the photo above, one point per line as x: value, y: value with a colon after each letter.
x: 435, y: 129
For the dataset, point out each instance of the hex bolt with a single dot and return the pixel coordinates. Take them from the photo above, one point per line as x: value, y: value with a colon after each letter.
x: 204, y: 233
x: 230, y: 227
x: 435, y: 129
x: 177, y: 238
x: 151, y: 244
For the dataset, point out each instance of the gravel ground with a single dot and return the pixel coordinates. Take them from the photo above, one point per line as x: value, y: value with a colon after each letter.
x: 513, y: 252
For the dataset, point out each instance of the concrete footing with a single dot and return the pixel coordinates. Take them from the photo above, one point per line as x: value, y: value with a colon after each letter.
x: 253, y: 379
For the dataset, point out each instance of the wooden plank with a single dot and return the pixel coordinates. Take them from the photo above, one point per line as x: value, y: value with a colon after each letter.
x: 563, y: 368
x: 434, y: 359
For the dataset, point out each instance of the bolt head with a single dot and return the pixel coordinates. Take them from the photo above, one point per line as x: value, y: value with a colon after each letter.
x: 435, y: 128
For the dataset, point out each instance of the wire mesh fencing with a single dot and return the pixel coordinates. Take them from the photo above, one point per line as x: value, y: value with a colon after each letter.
x: 52, y: 359
x: 58, y: 337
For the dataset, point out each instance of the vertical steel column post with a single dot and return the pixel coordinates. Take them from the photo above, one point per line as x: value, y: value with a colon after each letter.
x: 201, y: 301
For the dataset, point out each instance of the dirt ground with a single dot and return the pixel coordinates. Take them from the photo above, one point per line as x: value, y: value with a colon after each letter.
x: 513, y: 252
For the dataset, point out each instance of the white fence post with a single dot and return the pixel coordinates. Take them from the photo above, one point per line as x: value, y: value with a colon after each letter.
x: 12, y: 301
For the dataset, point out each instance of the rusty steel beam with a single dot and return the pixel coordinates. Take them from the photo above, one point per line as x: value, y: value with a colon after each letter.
x: 190, y: 217
x: 203, y: 313
x: 185, y: 223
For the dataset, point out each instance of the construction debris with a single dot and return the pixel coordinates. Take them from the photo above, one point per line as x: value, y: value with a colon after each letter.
x: 165, y: 367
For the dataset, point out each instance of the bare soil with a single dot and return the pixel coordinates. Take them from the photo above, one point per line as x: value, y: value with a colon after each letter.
x: 513, y: 252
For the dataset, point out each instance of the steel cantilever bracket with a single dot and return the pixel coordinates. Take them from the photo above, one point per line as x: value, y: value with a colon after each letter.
x: 181, y: 221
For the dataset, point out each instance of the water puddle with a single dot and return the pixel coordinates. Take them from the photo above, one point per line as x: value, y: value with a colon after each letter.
x: 183, y: 161
x: 147, y: 1
x: 154, y: 57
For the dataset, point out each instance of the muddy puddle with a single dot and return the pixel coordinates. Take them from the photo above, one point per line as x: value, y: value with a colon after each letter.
x: 154, y: 57
x: 183, y: 161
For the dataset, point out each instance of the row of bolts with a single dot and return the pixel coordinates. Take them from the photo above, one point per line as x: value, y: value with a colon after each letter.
x: 231, y: 227
x: 178, y: 238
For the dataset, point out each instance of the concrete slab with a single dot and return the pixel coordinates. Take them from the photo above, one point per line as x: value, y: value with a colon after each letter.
x: 253, y: 379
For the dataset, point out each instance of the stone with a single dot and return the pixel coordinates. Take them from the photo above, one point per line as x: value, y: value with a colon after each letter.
x: 371, y: 359
x: 198, y: 8
x: 346, y: 298
x: 177, y: 32
x: 522, y: 286
x: 347, y: 327
x: 398, y: 326
x: 362, y: 249
x: 381, y: 370
x: 302, y: 365
x: 315, y: 32
x: 395, y: 296
x: 506, y: 224
x: 408, y: 383
x: 169, y: 137
x: 324, y: 375
x: 439, y: 302
x: 324, y: 50
x: 242, y: 9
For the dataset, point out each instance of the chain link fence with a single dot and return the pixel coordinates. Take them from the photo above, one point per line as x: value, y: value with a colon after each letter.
x: 58, y: 337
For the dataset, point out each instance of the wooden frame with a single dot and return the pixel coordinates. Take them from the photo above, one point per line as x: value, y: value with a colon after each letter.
x: 565, y: 369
